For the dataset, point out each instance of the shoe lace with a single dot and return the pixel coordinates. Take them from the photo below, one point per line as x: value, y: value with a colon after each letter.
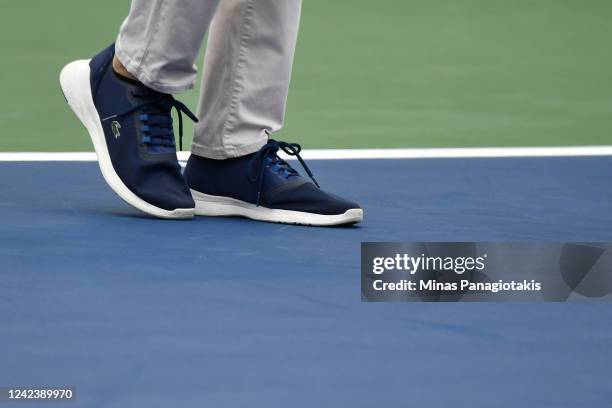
x: 156, y: 118
x: 267, y: 156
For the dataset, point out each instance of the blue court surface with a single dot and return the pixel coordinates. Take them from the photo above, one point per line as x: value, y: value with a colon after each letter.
x: 137, y: 312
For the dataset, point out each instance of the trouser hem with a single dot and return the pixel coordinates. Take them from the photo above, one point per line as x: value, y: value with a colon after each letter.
x: 144, y: 77
x: 226, y: 153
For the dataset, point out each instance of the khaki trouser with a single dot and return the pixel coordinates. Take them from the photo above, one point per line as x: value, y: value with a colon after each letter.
x: 247, y: 66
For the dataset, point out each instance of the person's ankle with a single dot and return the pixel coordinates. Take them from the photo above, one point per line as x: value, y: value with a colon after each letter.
x: 121, y: 70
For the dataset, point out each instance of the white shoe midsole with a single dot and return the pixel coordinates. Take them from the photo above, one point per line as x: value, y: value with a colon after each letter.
x: 218, y: 206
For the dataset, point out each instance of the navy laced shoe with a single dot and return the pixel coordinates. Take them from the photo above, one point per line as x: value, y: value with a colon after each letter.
x: 131, y: 129
x: 264, y: 187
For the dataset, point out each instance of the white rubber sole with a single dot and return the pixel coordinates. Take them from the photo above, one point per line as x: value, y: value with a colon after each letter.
x: 217, y: 206
x: 74, y: 80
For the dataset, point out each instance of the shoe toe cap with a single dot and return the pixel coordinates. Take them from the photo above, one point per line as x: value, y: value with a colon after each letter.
x: 170, y: 199
x: 309, y: 198
x: 163, y: 188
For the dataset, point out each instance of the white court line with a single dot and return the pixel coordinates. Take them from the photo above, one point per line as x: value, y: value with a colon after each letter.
x: 345, y: 154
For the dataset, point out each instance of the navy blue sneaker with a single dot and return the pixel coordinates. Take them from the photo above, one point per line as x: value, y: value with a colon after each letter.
x: 264, y: 187
x: 131, y: 129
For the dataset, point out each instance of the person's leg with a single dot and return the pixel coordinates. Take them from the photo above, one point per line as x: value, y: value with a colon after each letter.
x: 160, y: 40
x: 234, y: 169
x: 247, y: 69
x: 129, y: 121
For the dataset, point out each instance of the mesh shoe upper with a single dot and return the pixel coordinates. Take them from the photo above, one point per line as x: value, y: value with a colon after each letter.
x: 138, y: 130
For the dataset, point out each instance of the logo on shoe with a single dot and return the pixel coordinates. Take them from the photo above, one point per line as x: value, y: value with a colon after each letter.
x: 115, y: 126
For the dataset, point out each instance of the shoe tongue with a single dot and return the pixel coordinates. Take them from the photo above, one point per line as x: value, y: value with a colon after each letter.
x: 159, y: 123
x: 280, y: 166
x: 146, y: 95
